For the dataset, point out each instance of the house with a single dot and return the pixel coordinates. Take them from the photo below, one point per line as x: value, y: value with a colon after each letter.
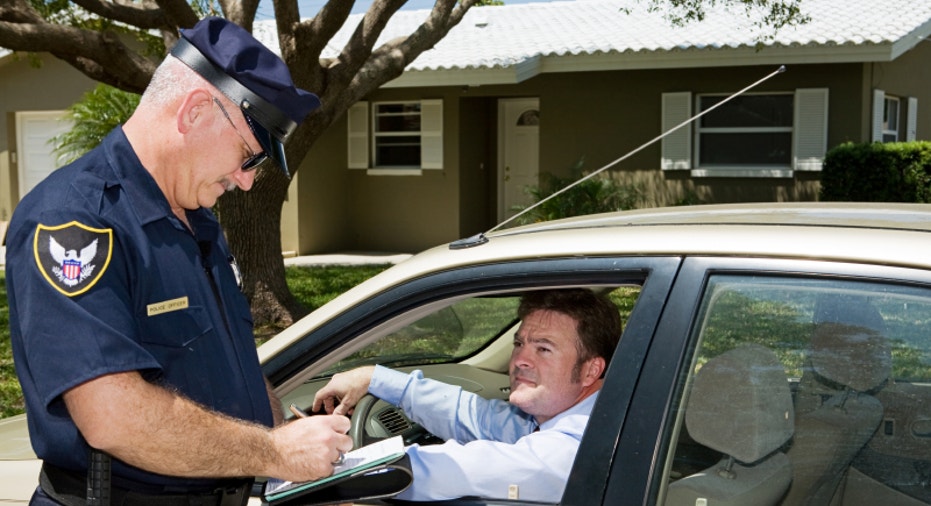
x: 446, y: 150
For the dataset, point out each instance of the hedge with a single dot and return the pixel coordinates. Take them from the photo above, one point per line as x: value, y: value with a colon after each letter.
x: 877, y: 172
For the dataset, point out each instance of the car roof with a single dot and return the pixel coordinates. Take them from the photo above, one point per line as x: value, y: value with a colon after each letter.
x: 834, y: 214
x: 867, y: 233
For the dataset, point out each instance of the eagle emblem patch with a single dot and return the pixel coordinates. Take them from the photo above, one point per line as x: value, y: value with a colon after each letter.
x: 72, y: 257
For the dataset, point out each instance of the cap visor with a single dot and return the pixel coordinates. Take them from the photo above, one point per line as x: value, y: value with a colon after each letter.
x: 272, y: 146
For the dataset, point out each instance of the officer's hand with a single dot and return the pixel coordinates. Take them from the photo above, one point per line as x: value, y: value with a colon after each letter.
x: 344, y: 390
x: 307, y: 447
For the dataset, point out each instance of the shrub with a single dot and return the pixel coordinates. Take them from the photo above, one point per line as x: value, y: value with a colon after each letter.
x: 597, y: 194
x: 877, y: 172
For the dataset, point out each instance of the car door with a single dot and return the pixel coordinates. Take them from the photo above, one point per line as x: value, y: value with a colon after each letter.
x: 653, y: 275
x: 789, y: 382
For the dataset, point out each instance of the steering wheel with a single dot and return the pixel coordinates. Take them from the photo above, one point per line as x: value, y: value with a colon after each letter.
x: 360, y: 415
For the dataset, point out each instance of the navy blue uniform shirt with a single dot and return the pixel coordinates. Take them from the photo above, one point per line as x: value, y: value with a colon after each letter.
x: 103, y: 278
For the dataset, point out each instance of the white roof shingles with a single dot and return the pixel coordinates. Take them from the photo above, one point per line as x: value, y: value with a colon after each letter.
x: 511, y: 43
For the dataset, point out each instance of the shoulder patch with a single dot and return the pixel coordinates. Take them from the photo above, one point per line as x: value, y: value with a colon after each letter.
x: 72, y: 257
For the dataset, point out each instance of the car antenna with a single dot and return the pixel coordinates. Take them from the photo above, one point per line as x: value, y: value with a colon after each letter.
x: 480, y: 238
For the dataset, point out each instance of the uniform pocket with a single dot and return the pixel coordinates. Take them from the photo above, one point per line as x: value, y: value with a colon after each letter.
x: 177, y: 329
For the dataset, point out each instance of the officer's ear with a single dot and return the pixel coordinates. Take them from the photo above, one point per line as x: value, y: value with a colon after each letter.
x: 194, y: 108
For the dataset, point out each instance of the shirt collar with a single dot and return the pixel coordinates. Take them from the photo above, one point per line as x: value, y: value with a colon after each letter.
x: 583, y: 407
x: 146, y: 198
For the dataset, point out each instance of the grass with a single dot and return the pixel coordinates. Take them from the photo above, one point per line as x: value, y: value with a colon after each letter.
x: 313, y: 286
x: 11, y: 396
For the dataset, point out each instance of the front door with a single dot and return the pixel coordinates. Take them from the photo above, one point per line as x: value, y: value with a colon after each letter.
x: 518, y: 153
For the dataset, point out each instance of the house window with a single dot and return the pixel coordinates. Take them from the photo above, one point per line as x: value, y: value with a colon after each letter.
x: 755, y: 135
x: 396, y: 135
x: 891, y: 119
x: 405, y: 137
x: 747, y: 131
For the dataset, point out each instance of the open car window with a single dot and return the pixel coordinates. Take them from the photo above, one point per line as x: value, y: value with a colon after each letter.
x: 456, y: 331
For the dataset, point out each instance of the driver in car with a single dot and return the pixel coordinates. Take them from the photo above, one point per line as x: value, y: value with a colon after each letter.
x: 520, y: 449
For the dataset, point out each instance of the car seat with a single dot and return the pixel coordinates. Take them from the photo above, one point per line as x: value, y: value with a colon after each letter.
x: 836, y: 415
x: 740, y: 405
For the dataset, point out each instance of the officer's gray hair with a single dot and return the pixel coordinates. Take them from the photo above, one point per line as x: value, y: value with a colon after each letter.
x: 172, y: 79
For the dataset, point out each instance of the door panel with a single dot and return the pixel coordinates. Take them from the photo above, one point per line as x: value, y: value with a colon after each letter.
x: 36, y: 159
x: 519, y: 152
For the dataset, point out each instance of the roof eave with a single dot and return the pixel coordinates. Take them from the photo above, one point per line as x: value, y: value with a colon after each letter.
x: 645, y: 60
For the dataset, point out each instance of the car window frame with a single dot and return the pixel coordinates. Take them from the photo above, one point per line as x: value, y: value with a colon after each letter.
x: 450, y: 283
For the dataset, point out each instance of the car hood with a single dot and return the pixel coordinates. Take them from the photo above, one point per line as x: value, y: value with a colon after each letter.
x: 14, y: 439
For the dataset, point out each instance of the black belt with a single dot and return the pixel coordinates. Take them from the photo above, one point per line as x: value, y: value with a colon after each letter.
x: 70, y: 489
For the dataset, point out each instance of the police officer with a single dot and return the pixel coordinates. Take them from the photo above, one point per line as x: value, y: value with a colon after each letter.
x: 131, y: 339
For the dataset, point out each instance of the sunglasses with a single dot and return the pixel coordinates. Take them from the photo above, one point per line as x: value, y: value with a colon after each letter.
x: 254, y: 158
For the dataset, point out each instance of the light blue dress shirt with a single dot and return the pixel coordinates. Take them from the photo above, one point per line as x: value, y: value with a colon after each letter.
x: 491, y: 449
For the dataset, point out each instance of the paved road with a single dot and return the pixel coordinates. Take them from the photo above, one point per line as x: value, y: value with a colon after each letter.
x: 350, y: 258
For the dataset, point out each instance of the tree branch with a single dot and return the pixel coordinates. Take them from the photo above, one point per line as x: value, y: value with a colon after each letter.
x: 393, y: 57
x: 178, y: 13
x: 304, y: 48
x: 359, y: 47
x: 145, y: 15
x: 241, y: 12
x: 93, y: 53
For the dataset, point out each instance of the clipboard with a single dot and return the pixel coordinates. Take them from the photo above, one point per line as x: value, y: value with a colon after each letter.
x: 375, y: 471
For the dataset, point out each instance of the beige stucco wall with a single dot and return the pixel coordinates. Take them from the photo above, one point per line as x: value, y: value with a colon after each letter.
x: 908, y: 76
x: 592, y: 117
x: 49, y: 85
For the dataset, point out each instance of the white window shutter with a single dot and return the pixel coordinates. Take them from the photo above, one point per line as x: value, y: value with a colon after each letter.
x: 911, y: 122
x: 357, y: 119
x: 879, y: 102
x: 676, y: 150
x: 810, y: 128
x: 431, y: 134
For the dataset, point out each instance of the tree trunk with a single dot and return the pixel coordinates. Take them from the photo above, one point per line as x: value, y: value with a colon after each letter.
x: 252, y: 223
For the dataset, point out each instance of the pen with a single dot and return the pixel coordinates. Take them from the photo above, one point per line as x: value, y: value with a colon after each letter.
x: 298, y: 411
x: 303, y: 414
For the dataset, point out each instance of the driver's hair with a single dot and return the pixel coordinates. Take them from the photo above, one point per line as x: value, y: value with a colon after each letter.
x: 598, y: 321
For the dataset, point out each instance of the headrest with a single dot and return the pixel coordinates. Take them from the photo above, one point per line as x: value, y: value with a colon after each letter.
x: 855, y: 357
x: 851, y: 309
x: 740, y: 404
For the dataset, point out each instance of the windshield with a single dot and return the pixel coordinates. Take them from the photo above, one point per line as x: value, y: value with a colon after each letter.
x: 451, y: 333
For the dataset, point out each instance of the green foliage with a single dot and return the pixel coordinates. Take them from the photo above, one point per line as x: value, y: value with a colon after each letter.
x: 768, y: 16
x: 785, y: 327
x: 597, y: 194
x: 93, y: 117
x: 11, y: 396
x: 738, y: 319
x: 68, y: 13
x: 877, y: 172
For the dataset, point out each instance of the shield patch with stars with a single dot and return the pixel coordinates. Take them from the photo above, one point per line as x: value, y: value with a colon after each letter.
x: 72, y: 257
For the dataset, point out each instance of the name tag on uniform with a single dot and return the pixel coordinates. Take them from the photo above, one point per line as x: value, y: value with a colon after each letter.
x: 167, y: 306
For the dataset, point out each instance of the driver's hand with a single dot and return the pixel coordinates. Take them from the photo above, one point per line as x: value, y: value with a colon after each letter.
x: 344, y: 390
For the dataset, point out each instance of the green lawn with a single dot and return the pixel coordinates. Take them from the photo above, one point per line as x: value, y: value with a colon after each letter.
x: 314, y: 286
